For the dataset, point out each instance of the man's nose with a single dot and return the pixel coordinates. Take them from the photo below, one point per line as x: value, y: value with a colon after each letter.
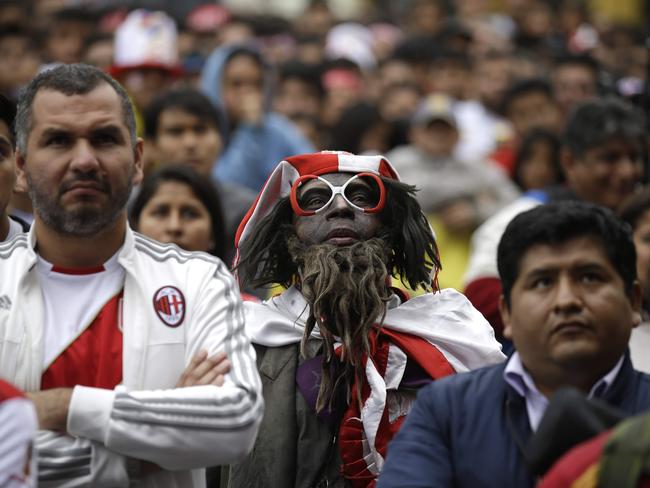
x: 339, y: 208
x: 567, y: 296
x: 84, y: 158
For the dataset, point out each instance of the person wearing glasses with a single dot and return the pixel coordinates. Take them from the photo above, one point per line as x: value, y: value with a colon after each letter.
x: 341, y: 353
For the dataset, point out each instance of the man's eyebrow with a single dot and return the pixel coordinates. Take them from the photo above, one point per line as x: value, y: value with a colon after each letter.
x: 107, y: 129
x: 52, y: 132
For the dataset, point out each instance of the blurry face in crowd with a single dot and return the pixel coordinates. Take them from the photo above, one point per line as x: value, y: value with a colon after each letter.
x: 297, y: 97
x: 569, y: 310
x: 100, y: 54
x: 642, y: 245
x: 533, y: 110
x: 7, y: 171
x: 607, y: 173
x: 539, y: 170
x: 491, y: 78
x: 143, y: 84
x: 19, y: 62
x: 80, y: 163
x: 184, y: 138
x: 339, y: 224
x: 174, y: 214
x: 573, y: 84
x: 437, y: 139
x: 449, y: 77
x: 242, y: 86
x: 66, y: 41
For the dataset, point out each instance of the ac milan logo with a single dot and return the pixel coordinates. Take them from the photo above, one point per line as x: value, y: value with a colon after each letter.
x: 169, y: 304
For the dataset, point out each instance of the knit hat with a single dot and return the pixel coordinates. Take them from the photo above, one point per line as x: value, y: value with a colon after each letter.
x: 278, y: 185
x: 146, y: 39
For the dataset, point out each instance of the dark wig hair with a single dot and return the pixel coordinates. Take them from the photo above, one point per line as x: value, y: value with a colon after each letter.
x: 265, y: 257
x: 201, y: 187
x: 557, y: 223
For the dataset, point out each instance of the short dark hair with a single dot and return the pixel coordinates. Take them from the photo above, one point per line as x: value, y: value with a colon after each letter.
x: 634, y: 207
x: 593, y: 122
x: 202, y: 188
x: 571, y: 59
x: 69, y: 79
x: 556, y: 223
x: 522, y: 88
x: 187, y: 100
x: 7, y: 115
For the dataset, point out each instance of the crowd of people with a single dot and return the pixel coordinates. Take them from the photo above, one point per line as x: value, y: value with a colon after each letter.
x: 252, y: 250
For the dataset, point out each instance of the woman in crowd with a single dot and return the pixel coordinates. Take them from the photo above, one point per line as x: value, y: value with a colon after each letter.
x: 177, y: 205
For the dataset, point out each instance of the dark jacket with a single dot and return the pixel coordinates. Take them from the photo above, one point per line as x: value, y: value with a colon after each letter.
x: 471, y: 429
x: 294, y: 448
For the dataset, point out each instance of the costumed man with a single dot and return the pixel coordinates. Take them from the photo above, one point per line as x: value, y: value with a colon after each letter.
x: 119, y: 341
x: 341, y: 353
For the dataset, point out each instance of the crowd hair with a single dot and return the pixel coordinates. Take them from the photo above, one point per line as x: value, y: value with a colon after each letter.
x: 187, y: 100
x: 69, y: 79
x: 593, y: 122
x: 414, y: 259
x: 556, y: 223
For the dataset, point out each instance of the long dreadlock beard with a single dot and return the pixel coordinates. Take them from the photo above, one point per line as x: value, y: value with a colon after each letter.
x: 347, y: 290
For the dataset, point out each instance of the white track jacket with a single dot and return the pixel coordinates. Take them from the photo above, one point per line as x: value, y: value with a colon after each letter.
x: 146, y: 417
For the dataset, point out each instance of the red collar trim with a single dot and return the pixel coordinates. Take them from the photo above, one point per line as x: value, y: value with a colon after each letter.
x: 78, y: 271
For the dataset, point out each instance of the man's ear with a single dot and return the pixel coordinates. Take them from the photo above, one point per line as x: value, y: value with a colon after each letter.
x: 138, y: 156
x: 21, y: 175
x: 504, y: 310
x: 636, y: 300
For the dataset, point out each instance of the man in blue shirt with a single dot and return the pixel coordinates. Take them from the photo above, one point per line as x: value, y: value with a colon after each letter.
x: 570, y: 300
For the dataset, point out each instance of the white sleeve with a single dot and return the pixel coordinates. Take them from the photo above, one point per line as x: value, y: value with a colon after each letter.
x: 18, y: 426
x: 185, y: 428
x: 69, y: 462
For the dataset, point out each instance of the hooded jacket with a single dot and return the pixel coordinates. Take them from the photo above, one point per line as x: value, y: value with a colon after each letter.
x: 253, y: 150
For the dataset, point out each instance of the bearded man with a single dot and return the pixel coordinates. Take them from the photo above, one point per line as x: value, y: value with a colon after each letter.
x: 133, y: 352
x: 341, y: 353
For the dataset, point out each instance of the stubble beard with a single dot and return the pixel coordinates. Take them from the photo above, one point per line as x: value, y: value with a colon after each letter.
x: 87, y: 220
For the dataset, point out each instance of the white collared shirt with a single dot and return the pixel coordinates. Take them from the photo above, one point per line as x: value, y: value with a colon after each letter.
x: 516, y: 376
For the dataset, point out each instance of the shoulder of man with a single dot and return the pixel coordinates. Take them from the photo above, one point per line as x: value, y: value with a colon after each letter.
x: 470, y: 388
x: 171, y: 254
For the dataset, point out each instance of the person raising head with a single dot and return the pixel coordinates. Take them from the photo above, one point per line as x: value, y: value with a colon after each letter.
x: 333, y: 228
x: 108, y: 331
x: 570, y: 300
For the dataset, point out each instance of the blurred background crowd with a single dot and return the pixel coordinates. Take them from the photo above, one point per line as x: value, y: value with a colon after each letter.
x: 467, y: 98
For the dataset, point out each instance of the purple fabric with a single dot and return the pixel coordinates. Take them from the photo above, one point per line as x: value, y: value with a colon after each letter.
x: 308, y: 378
x: 414, y: 376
